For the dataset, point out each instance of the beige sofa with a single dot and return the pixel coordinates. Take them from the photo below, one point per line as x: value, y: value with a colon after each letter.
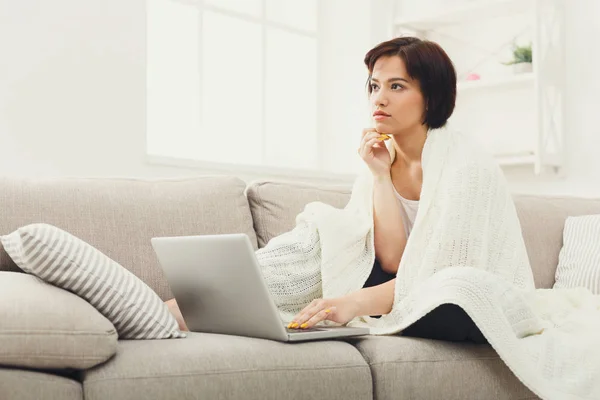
x: 119, y: 216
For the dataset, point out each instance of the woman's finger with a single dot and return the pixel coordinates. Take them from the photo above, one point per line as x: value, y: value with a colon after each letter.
x: 371, y: 142
x: 318, y: 317
x: 364, y: 143
x: 303, y: 315
x: 366, y: 138
x: 307, y: 313
x: 370, y: 136
x: 311, y: 311
x: 298, y: 317
x: 367, y: 130
x: 368, y: 145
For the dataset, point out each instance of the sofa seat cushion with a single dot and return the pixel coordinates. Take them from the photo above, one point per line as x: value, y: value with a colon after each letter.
x: 18, y: 384
x: 47, y: 327
x: 212, y: 366
x: 415, y: 368
x: 119, y: 216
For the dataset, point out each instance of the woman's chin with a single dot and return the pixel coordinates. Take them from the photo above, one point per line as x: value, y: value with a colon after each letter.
x: 382, y: 127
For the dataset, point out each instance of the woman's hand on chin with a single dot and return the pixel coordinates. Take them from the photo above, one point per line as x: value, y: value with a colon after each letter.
x: 340, y: 310
x: 374, y: 152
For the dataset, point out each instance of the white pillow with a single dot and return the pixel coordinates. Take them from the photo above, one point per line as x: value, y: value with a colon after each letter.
x: 68, y: 262
x: 579, y: 258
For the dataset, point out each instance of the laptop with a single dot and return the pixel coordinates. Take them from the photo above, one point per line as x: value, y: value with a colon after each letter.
x: 219, y: 287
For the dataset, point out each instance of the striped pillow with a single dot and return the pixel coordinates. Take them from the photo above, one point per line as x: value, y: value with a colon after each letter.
x: 579, y: 258
x: 63, y: 260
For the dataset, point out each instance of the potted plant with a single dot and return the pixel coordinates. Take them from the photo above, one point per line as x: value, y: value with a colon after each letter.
x: 522, y: 59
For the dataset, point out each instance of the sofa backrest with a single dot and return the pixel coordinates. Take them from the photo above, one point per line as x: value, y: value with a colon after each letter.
x: 274, y: 206
x: 120, y: 216
x: 542, y: 222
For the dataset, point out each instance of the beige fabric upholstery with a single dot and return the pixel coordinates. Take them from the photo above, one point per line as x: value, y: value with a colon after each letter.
x: 31, y: 385
x: 274, y: 205
x: 414, y: 368
x: 542, y: 222
x: 119, y: 216
x: 47, y: 327
x: 211, y: 366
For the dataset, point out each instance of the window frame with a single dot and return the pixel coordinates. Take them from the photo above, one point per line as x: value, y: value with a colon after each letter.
x: 258, y: 170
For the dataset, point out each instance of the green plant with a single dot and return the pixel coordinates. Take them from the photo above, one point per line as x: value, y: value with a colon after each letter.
x: 521, y: 54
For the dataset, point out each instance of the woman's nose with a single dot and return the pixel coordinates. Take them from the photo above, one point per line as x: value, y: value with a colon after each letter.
x: 380, y: 99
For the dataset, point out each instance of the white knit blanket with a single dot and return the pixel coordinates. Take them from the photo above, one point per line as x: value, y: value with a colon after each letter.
x: 465, y: 248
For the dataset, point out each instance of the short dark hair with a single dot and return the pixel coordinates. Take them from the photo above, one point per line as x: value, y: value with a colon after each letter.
x: 428, y: 63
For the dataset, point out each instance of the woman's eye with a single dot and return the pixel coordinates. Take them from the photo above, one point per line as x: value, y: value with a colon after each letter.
x: 373, y: 86
x: 396, y: 86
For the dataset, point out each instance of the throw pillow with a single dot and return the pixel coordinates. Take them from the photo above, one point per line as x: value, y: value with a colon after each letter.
x: 579, y: 258
x: 68, y: 262
x: 46, y: 327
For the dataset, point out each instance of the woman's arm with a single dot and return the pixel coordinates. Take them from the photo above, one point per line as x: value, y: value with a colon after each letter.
x: 375, y: 300
x: 390, y: 237
x: 174, y: 309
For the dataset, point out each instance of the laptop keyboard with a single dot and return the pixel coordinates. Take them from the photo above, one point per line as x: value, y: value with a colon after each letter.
x: 297, y: 330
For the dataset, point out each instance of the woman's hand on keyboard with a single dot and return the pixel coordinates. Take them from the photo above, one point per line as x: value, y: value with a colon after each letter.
x: 340, y: 310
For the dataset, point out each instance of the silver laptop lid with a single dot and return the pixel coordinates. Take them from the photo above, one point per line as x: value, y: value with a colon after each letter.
x: 218, y: 285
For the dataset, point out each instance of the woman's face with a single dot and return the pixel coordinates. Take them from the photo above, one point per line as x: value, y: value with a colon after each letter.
x: 394, y: 93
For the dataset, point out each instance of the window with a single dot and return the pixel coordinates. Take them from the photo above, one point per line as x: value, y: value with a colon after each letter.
x: 233, y: 81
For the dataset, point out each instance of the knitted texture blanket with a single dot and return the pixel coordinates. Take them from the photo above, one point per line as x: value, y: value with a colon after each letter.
x: 465, y: 248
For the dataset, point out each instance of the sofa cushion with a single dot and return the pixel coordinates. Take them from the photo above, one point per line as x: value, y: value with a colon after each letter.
x: 18, y: 384
x: 212, y: 366
x: 414, y: 368
x: 68, y: 262
x: 274, y: 205
x: 579, y: 258
x: 119, y: 216
x: 542, y: 222
x: 47, y: 327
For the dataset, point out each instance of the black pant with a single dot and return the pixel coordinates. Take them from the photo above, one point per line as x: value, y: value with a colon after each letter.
x: 446, y: 322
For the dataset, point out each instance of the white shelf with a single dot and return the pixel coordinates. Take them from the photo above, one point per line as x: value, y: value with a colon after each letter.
x: 540, y: 94
x: 479, y: 10
x: 497, y: 83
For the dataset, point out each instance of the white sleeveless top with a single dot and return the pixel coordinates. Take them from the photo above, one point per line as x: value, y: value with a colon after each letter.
x: 408, y: 211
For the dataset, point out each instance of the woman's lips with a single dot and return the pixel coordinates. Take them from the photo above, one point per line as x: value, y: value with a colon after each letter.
x: 379, y: 117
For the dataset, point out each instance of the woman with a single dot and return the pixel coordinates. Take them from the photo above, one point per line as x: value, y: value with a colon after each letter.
x: 412, y: 89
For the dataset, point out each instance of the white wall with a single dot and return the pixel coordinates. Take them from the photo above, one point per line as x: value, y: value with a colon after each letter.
x: 72, y: 90
x: 71, y: 87
x: 343, y: 108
